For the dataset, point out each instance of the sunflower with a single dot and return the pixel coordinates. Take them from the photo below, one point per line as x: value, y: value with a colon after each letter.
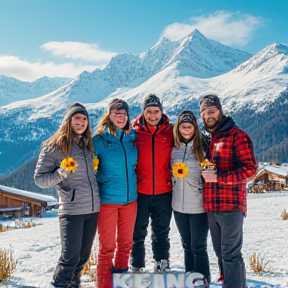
x: 180, y: 170
x: 69, y: 164
x: 95, y: 163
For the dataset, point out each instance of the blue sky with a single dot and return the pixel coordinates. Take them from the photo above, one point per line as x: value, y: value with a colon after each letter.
x: 65, y: 37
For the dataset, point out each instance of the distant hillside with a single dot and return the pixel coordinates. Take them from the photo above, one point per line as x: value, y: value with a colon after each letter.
x: 12, y: 90
x: 23, y: 178
x: 268, y: 129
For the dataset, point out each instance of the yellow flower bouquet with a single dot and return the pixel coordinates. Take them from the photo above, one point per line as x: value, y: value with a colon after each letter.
x: 180, y: 170
x: 69, y: 164
x: 209, y: 171
x: 95, y: 163
x: 207, y: 165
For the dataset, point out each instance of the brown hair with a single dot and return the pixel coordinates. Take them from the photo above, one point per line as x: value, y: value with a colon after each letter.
x: 105, y: 122
x: 64, y: 137
x: 197, y: 148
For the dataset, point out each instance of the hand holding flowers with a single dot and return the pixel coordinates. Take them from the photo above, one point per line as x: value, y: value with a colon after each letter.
x: 209, y: 171
x: 67, y: 166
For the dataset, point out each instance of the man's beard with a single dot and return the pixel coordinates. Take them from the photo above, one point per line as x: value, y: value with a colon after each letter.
x: 211, y: 126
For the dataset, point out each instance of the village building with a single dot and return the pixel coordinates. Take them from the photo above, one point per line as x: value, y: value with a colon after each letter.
x: 271, y: 178
x: 19, y: 203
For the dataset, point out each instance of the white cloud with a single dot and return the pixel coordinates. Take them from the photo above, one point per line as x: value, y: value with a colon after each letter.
x: 77, y: 50
x: 232, y: 29
x: 74, y: 51
x: 20, y: 69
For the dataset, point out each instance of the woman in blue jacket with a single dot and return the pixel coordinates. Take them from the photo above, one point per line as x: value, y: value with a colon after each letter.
x: 117, y: 154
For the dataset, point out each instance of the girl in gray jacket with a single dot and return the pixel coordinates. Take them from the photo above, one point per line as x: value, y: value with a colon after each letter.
x: 189, y: 213
x: 75, y: 180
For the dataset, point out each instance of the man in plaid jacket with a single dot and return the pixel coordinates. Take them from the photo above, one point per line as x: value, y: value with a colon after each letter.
x: 224, y: 192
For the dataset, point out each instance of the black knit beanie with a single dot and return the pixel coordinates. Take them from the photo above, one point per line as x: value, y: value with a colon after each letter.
x: 208, y: 101
x: 187, y: 116
x: 151, y: 100
x: 118, y: 104
x: 75, y: 108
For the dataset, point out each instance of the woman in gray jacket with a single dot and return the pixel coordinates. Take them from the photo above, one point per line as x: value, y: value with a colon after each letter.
x: 189, y: 213
x: 66, y: 161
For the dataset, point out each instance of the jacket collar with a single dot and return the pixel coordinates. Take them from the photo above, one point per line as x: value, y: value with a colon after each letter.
x: 140, y: 123
x: 225, y: 124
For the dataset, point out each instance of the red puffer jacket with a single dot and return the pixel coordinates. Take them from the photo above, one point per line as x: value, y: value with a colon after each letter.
x: 154, y: 156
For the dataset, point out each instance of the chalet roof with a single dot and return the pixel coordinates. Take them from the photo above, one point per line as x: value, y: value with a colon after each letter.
x: 32, y: 195
x: 9, y: 209
x: 278, y: 170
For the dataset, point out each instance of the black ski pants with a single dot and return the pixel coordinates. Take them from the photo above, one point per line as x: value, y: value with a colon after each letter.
x: 158, y: 208
x: 193, y: 229
x: 77, y: 234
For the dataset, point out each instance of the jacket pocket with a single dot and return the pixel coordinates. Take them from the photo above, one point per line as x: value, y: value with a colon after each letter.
x: 73, y: 195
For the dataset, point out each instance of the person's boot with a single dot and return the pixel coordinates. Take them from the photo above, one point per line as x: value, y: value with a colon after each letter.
x: 75, y: 282
x: 137, y: 269
x: 161, y: 266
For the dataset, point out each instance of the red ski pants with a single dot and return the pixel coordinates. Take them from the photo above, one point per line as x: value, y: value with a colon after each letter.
x: 115, y: 228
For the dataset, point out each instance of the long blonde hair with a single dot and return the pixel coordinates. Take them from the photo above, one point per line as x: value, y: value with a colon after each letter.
x: 197, y: 147
x: 64, y: 137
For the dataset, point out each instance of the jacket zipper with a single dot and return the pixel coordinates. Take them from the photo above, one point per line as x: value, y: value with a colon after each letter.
x: 125, y: 156
x: 89, y: 180
x: 153, y: 159
x: 183, y: 178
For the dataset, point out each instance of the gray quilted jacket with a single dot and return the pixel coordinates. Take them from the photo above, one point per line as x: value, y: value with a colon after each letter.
x: 78, y: 193
x: 187, y: 191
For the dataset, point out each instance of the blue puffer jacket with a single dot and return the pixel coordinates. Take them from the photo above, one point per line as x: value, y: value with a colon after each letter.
x: 117, y: 163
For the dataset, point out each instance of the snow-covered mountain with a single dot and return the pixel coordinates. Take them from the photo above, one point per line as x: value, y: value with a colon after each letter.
x: 12, y: 90
x: 178, y: 72
x: 193, y: 55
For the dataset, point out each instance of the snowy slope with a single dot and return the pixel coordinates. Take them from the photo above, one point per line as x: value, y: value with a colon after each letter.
x: 37, y: 249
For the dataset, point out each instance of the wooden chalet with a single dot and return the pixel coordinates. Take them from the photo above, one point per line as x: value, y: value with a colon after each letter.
x: 271, y: 178
x: 19, y: 203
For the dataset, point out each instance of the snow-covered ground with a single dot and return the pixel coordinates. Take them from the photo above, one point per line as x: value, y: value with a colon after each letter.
x: 38, y: 248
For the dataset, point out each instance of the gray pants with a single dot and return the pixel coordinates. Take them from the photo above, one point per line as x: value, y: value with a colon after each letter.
x: 226, y: 230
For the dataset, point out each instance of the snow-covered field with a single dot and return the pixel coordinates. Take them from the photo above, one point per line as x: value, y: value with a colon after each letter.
x: 38, y: 248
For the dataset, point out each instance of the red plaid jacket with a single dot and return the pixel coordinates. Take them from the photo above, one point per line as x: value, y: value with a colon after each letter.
x: 231, y: 149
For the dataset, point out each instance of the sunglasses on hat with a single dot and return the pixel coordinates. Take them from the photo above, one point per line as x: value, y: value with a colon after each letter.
x: 187, y: 117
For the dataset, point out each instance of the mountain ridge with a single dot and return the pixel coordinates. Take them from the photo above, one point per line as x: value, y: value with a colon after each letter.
x: 251, y: 86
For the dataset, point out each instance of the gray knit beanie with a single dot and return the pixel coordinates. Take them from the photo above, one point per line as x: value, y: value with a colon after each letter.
x: 118, y: 104
x: 75, y: 108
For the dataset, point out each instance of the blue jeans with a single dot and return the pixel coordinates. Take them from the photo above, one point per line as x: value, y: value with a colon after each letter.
x: 226, y: 228
x: 193, y: 229
x: 77, y: 234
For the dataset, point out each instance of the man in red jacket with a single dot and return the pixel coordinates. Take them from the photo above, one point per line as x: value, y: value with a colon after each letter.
x: 224, y: 197
x: 154, y: 184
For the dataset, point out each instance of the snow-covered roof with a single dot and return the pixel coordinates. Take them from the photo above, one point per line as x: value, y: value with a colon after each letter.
x: 279, y: 170
x: 8, y: 209
x: 32, y: 195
